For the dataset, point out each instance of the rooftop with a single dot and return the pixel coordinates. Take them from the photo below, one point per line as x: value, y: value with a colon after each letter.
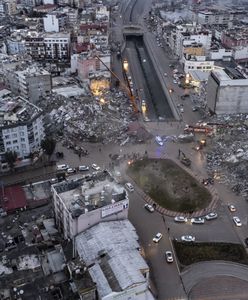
x: 82, y: 196
x: 14, y: 110
x: 229, y: 76
x: 110, y: 249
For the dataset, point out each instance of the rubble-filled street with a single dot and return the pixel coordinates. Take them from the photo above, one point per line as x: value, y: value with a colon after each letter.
x: 227, y: 159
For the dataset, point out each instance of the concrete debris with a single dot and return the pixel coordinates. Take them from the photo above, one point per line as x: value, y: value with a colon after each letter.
x: 88, y: 118
x: 227, y: 160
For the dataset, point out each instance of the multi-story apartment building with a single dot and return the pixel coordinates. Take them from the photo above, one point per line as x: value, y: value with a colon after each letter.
x: 79, y: 205
x: 53, y: 47
x: 21, y: 127
x: 88, y: 63
x: 55, y: 22
x: 227, y: 91
x: 16, y: 43
x: 235, y: 37
x: 184, y: 36
x: 35, y: 47
x: 57, y: 46
x: 34, y: 83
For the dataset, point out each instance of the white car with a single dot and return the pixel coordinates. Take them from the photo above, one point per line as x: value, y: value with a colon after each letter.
x: 149, y: 207
x: 180, y: 219
x: 181, y: 109
x: 165, y: 74
x: 174, y: 81
x: 95, y: 167
x: 129, y: 186
x: 159, y: 140
x: 188, y: 238
x: 157, y: 237
x: 232, y: 208
x: 211, y: 216
x: 237, y: 221
x: 169, y: 256
x: 70, y: 170
x: 83, y: 168
x: 197, y: 221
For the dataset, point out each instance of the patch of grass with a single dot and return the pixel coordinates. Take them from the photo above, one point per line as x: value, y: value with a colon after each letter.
x: 189, y: 253
x: 169, y: 185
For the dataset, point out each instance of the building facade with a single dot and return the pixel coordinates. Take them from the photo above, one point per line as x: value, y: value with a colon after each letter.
x: 227, y: 92
x: 83, y: 204
x: 21, y: 127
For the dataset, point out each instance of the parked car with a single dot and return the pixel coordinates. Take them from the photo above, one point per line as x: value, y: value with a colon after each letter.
x: 197, y: 221
x: 95, y: 167
x: 180, y: 219
x: 211, y: 216
x: 62, y: 167
x: 83, y: 168
x: 70, y: 170
x: 232, y: 208
x: 237, y: 221
x: 188, y: 238
x: 149, y: 207
x: 194, y: 108
x: 129, y: 186
x: 157, y: 237
x: 246, y: 242
x: 169, y: 256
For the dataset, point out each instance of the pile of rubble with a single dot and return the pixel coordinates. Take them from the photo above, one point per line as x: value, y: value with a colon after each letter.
x: 228, y: 157
x: 103, y: 118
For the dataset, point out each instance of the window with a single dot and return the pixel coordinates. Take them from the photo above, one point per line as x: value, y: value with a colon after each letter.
x: 15, y: 141
x: 6, y: 136
x: 14, y: 135
x: 8, y: 143
x: 22, y: 139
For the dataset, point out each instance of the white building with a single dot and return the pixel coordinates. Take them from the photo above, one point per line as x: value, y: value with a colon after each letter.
x: 16, y: 43
x: 57, y: 46
x: 54, y: 22
x: 21, y: 127
x: 197, y: 63
x: 220, y: 54
x: 215, y: 17
x: 83, y: 204
x: 102, y: 13
x: 227, y: 91
x: 240, y: 53
x: 110, y: 251
x: 188, y: 34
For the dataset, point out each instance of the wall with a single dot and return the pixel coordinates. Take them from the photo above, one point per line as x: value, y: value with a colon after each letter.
x: 220, y: 54
x: 240, y: 53
x: 94, y: 217
x: 212, y: 92
x: 51, y: 23
x: 205, y: 66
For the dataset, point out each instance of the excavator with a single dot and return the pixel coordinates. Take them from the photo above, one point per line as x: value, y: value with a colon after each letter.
x: 127, y: 87
x: 183, y: 159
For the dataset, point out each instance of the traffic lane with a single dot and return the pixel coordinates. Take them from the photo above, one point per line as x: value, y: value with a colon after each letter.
x: 165, y: 275
x: 220, y: 230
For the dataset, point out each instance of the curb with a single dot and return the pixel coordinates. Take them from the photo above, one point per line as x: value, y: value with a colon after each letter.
x: 213, y: 204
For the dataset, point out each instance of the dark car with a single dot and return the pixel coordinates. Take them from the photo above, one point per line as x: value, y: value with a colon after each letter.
x: 246, y: 242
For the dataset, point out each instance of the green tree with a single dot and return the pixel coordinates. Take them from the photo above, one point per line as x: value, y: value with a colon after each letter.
x: 48, y: 145
x: 11, y: 157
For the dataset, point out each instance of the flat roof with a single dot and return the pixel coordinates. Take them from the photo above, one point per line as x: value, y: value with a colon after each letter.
x: 110, y: 250
x: 82, y: 195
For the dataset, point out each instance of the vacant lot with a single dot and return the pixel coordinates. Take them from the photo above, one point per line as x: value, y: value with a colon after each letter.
x: 169, y: 185
x: 194, y: 252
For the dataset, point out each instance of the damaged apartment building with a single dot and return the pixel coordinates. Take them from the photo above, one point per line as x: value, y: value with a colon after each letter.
x: 21, y: 126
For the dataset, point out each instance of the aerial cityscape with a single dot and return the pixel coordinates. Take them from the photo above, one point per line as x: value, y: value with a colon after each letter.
x: 123, y: 149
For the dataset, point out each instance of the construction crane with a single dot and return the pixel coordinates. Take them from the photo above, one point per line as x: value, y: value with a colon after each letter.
x: 126, y: 87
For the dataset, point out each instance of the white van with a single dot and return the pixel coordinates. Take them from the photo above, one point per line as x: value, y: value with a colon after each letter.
x: 129, y: 186
x: 63, y: 167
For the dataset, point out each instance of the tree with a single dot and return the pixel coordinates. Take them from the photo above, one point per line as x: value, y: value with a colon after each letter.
x: 11, y: 157
x: 48, y: 145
